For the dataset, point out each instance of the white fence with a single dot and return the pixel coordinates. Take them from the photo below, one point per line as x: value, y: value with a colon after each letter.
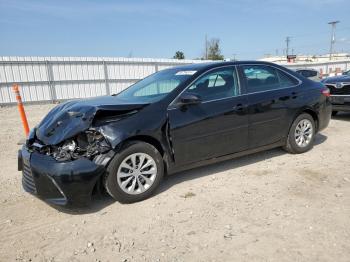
x: 60, y: 78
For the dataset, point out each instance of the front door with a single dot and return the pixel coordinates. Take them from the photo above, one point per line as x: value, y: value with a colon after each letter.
x: 216, y: 126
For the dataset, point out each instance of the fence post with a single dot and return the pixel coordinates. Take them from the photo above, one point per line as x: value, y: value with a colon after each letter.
x: 156, y: 66
x: 108, y: 91
x: 53, y: 95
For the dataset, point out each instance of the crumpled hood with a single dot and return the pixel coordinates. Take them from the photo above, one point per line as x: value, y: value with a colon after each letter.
x: 335, y: 79
x: 70, y: 118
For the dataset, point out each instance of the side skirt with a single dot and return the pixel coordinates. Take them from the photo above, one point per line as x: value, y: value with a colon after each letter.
x: 176, y: 169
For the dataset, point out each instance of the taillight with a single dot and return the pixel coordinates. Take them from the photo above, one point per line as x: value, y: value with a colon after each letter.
x: 325, y: 91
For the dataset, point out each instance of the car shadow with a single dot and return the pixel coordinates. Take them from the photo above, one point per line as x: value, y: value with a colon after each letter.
x: 319, y: 139
x: 342, y: 116
x: 103, y: 200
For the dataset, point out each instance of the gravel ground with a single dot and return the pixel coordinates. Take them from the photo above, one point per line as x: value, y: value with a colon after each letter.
x: 270, y: 206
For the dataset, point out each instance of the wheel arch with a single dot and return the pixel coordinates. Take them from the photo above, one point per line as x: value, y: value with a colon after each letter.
x: 307, y: 110
x: 313, y: 114
x: 99, y: 185
x: 147, y: 139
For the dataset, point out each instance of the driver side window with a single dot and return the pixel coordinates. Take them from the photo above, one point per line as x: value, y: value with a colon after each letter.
x: 217, y: 84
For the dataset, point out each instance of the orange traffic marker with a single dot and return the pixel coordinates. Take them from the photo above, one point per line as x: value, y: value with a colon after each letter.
x: 22, y: 113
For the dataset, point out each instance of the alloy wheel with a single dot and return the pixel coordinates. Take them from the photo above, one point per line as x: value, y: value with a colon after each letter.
x: 136, y: 173
x: 303, y: 133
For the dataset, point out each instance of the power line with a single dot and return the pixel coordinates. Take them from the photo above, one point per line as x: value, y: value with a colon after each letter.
x: 319, y: 33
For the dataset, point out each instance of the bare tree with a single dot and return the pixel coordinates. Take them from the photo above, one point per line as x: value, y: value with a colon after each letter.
x: 213, y: 50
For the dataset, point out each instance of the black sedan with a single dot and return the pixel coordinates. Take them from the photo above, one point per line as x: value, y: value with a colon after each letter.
x: 173, y: 120
x: 339, y: 87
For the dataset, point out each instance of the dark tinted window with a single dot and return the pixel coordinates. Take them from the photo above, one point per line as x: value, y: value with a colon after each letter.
x: 286, y: 80
x: 221, y: 83
x: 312, y: 73
x: 308, y: 73
x: 264, y: 78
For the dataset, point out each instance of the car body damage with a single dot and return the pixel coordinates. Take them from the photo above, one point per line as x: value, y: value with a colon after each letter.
x: 76, y: 140
x: 71, y: 118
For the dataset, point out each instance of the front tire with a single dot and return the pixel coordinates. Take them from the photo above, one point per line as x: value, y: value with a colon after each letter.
x: 301, y: 135
x: 134, y: 173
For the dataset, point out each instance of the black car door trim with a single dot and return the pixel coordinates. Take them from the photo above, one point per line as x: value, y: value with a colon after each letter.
x: 240, y: 85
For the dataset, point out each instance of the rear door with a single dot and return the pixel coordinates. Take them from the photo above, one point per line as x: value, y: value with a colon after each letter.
x: 271, y: 94
x: 217, y: 126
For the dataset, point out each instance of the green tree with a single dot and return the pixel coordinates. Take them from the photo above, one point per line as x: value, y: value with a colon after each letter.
x: 179, y: 55
x: 213, y: 50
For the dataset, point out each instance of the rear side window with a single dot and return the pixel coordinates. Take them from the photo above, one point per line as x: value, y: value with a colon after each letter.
x: 264, y: 78
x: 312, y: 73
x: 308, y: 73
x: 286, y: 80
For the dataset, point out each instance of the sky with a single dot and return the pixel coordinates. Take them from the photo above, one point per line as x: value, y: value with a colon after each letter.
x: 247, y: 29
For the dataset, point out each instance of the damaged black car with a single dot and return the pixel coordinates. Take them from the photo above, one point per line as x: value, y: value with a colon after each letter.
x: 173, y: 120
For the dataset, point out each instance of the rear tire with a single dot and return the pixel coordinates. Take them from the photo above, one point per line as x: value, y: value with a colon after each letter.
x: 334, y: 113
x: 134, y: 173
x: 301, y: 135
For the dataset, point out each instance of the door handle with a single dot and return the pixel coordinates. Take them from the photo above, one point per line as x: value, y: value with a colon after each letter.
x: 284, y: 98
x: 239, y: 107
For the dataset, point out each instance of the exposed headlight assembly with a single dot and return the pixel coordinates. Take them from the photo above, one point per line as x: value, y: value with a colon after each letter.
x: 86, y: 144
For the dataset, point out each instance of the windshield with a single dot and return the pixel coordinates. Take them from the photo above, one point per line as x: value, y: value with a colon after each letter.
x: 154, y: 87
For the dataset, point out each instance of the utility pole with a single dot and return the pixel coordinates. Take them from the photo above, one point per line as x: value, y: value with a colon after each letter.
x: 287, y: 42
x: 333, y: 24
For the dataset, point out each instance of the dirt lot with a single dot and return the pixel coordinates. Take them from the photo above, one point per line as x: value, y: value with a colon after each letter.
x: 269, y: 206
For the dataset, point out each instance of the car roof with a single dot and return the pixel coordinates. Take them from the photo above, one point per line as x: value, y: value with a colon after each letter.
x: 210, y: 65
x: 308, y: 69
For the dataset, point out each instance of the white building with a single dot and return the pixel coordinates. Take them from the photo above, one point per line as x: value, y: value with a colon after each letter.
x: 307, y: 58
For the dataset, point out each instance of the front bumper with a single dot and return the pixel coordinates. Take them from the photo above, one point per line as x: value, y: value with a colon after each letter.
x: 340, y: 102
x: 60, y: 183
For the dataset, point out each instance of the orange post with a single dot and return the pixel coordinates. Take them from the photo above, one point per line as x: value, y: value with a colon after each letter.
x: 22, y: 113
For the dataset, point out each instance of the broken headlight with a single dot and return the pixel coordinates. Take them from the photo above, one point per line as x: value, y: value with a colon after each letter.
x: 86, y: 144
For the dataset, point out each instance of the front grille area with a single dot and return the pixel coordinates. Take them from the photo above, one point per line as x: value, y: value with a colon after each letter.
x: 345, y: 90
x: 27, y: 179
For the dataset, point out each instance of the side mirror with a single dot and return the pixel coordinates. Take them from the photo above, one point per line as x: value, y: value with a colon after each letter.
x: 189, y: 99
